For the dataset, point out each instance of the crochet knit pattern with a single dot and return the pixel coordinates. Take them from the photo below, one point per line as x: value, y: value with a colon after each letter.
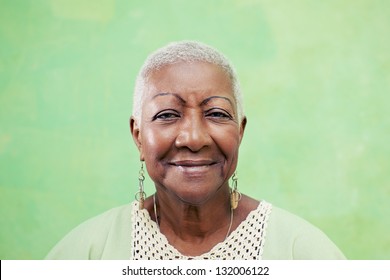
x: 246, y: 242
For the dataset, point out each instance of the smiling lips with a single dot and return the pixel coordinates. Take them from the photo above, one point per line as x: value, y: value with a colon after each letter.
x: 193, y: 165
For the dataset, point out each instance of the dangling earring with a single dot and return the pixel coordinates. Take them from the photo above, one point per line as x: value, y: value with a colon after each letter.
x: 140, y: 195
x: 235, y: 195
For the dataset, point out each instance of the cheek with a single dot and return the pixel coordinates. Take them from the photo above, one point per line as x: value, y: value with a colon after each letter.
x: 228, y: 141
x: 155, y: 143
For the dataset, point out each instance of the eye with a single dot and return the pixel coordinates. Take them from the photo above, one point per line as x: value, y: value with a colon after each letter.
x: 218, y: 114
x: 166, y: 115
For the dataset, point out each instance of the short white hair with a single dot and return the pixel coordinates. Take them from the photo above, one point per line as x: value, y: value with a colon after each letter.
x: 184, y: 51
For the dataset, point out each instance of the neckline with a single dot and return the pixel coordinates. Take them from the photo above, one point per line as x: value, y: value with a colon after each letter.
x: 262, y: 205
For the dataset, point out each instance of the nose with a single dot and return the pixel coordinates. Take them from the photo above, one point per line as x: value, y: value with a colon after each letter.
x: 193, y: 134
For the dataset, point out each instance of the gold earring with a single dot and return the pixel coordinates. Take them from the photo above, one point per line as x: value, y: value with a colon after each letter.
x: 235, y: 195
x: 140, y: 195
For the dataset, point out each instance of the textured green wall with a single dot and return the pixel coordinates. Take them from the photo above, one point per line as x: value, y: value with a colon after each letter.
x: 316, y: 79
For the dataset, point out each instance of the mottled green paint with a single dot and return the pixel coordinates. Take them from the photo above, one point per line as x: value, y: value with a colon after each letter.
x: 316, y: 82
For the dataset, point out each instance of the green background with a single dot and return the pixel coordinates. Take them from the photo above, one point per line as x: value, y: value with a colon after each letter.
x: 316, y: 83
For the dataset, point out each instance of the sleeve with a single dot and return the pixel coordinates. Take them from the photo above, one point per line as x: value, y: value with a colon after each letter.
x: 289, y: 237
x: 313, y: 244
x: 106, y: 236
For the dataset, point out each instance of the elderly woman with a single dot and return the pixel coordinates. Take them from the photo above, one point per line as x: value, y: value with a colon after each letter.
x: 188, y: 123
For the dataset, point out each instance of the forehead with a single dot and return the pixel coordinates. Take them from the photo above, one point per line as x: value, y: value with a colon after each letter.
x: 186, y: 77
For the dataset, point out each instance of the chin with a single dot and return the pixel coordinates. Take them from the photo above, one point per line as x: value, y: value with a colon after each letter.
x: 193, y: 196
x: 194, y: 201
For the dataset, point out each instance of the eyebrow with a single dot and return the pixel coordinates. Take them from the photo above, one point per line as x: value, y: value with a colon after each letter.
x: 170, y: 93
x: 204, y: 102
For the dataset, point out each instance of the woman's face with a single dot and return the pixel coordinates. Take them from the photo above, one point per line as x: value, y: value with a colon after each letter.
x: 189, y: 133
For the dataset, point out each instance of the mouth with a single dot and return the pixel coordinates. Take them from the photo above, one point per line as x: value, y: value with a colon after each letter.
x: 193, y: 163
x: 194, y: 169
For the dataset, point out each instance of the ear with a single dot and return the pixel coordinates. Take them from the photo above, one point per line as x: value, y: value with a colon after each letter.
x: 242, y: 127
x: 135, y: 132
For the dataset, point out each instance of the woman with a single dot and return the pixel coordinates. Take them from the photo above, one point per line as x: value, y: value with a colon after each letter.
x: 188, y: 123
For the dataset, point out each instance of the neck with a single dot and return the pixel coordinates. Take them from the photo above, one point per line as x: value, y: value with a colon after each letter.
x: 194, y: 223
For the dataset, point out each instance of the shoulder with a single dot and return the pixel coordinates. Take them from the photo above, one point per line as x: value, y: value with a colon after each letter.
x: 106, y: 236
x: 291, y: 237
